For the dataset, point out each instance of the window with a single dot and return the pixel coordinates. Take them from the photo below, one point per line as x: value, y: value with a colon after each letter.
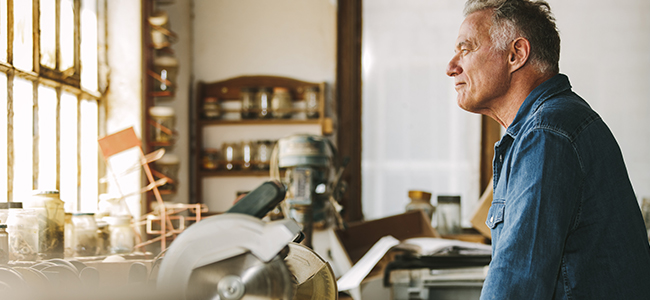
x: 49, y: 88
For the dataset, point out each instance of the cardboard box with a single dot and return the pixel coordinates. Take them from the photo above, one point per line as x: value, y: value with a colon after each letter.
x: 359, y: 237
x: 480, y: 215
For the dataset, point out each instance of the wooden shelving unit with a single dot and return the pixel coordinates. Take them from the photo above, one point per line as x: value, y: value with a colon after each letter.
x: 230, y: 89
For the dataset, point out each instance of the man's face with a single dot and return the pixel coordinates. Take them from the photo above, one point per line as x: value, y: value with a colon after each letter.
x: 480, y: 73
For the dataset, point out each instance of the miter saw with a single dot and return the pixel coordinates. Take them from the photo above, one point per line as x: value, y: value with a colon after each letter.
x: 236, y: 256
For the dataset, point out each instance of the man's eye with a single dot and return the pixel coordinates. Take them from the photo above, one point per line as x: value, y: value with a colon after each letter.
x: 464, y: 51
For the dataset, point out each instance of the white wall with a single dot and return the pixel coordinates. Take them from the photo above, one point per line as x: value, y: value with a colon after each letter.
x: 606, y: 54
x: 414, y: 135
x: 292, y: 38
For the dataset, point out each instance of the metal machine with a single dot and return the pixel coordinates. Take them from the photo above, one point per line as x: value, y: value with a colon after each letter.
x: 237, y: 256
x: 311, y: 174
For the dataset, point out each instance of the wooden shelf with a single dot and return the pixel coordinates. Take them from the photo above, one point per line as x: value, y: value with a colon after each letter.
x: 261, y: 122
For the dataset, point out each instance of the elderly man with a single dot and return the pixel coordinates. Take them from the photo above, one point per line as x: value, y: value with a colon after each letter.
x: 565, y: 220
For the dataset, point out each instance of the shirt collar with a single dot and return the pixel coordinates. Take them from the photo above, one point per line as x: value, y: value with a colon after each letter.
x: 549, y: 88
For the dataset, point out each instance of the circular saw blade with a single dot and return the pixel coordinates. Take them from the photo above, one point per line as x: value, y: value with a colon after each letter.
x: 243, y: 277
x: 313, y: 277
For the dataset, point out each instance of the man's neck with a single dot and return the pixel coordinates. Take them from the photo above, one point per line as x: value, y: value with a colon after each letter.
x: 508, y: 106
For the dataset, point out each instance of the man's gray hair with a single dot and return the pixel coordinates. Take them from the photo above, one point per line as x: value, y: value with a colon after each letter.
x: 531, y: 20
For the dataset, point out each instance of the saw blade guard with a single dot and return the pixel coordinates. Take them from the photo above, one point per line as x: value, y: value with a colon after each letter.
x: 219, y: 238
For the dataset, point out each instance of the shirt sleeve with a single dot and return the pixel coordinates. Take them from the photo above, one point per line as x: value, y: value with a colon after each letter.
x: 537, y: 202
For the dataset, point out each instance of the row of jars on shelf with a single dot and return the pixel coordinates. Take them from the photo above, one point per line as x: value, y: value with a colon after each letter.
x: 41, y: 230
x: 244, y: 155
x: 263, y: 103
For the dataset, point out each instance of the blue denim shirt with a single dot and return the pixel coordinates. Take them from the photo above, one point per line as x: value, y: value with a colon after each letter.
x: 564, y: 218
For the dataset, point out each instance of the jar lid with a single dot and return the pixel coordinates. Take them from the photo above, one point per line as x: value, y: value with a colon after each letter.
x: 8, y: 205
x: 83, y: 214
x: 45, y: 192
x: 210, y: 99
x: 3, y: 225
x: 449, y: 199
x: 419, y: 195
x: 161, y: 111
x: 280, y: 89
x: 312, y: 88
x: 265, y: 89
x: 247, y: 89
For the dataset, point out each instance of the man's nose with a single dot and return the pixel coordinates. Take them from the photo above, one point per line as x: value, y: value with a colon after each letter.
x: 453, y: 69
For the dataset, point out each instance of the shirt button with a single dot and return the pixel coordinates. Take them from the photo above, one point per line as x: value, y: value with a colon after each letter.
x: 491, y: 219
x: 501, y: 158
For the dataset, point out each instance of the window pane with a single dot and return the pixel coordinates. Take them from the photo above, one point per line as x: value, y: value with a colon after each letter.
x: 3, y: 138
x: 89, y: 45
x: 23, y: 44
x: 48, y: 33
x: 89, y: 156
x: 69, y: 180
x: 67, y: 35
x: 46, y: 137
x: 3, y: 30
x: 23, y: 139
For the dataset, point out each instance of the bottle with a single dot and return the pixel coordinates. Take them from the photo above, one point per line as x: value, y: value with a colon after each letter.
x: 247, y: 154
x: 51, y: 222
x: 422, y: 201
x: 4, y: 244
x: 448, y: 215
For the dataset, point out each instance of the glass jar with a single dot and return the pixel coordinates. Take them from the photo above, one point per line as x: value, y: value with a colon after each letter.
x: 263, y: 100
x: 210, y: 159
x: 103, y: 238
x: 421, y: 201
x: 68, y: 235
x: 312, y: 102
x: 5, y: 207
x: 211, y: 108
x: 249, y: 106
x: 165, y: 69
x: 231, y: 155
x: 281, y: 105
x: 448, y: 215
x: 122, y: 235
x: 22, y: 226
x: 51, y: 219
x: 263, y: 154
x: 4, y: 244
x: 84, y: 241
x: 247, y: 154
x: 163, y: 120
x: 168, y: 165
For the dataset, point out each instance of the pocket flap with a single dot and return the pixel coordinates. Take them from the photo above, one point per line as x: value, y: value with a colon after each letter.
x: 495, y: 214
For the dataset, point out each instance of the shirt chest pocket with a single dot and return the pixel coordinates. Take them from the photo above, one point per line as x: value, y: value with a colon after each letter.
x: 495, y: 214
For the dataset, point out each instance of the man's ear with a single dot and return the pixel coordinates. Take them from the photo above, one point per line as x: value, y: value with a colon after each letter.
x: 519, y: 53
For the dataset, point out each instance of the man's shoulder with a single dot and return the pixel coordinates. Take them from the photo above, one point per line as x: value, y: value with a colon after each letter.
x: 565, y: 113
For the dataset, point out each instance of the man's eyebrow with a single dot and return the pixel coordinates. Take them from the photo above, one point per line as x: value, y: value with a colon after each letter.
x: 465, y: 43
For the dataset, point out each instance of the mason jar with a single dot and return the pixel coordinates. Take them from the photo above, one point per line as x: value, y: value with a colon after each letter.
x: 51, y: 222
x: 312, y: 102
x: 249, y: 106
x: 263, y: 100
x: 22, y: 227
x: 122, y: 235
x: 84, y: 241
x: 281, y: 104
x: 448, y: 215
